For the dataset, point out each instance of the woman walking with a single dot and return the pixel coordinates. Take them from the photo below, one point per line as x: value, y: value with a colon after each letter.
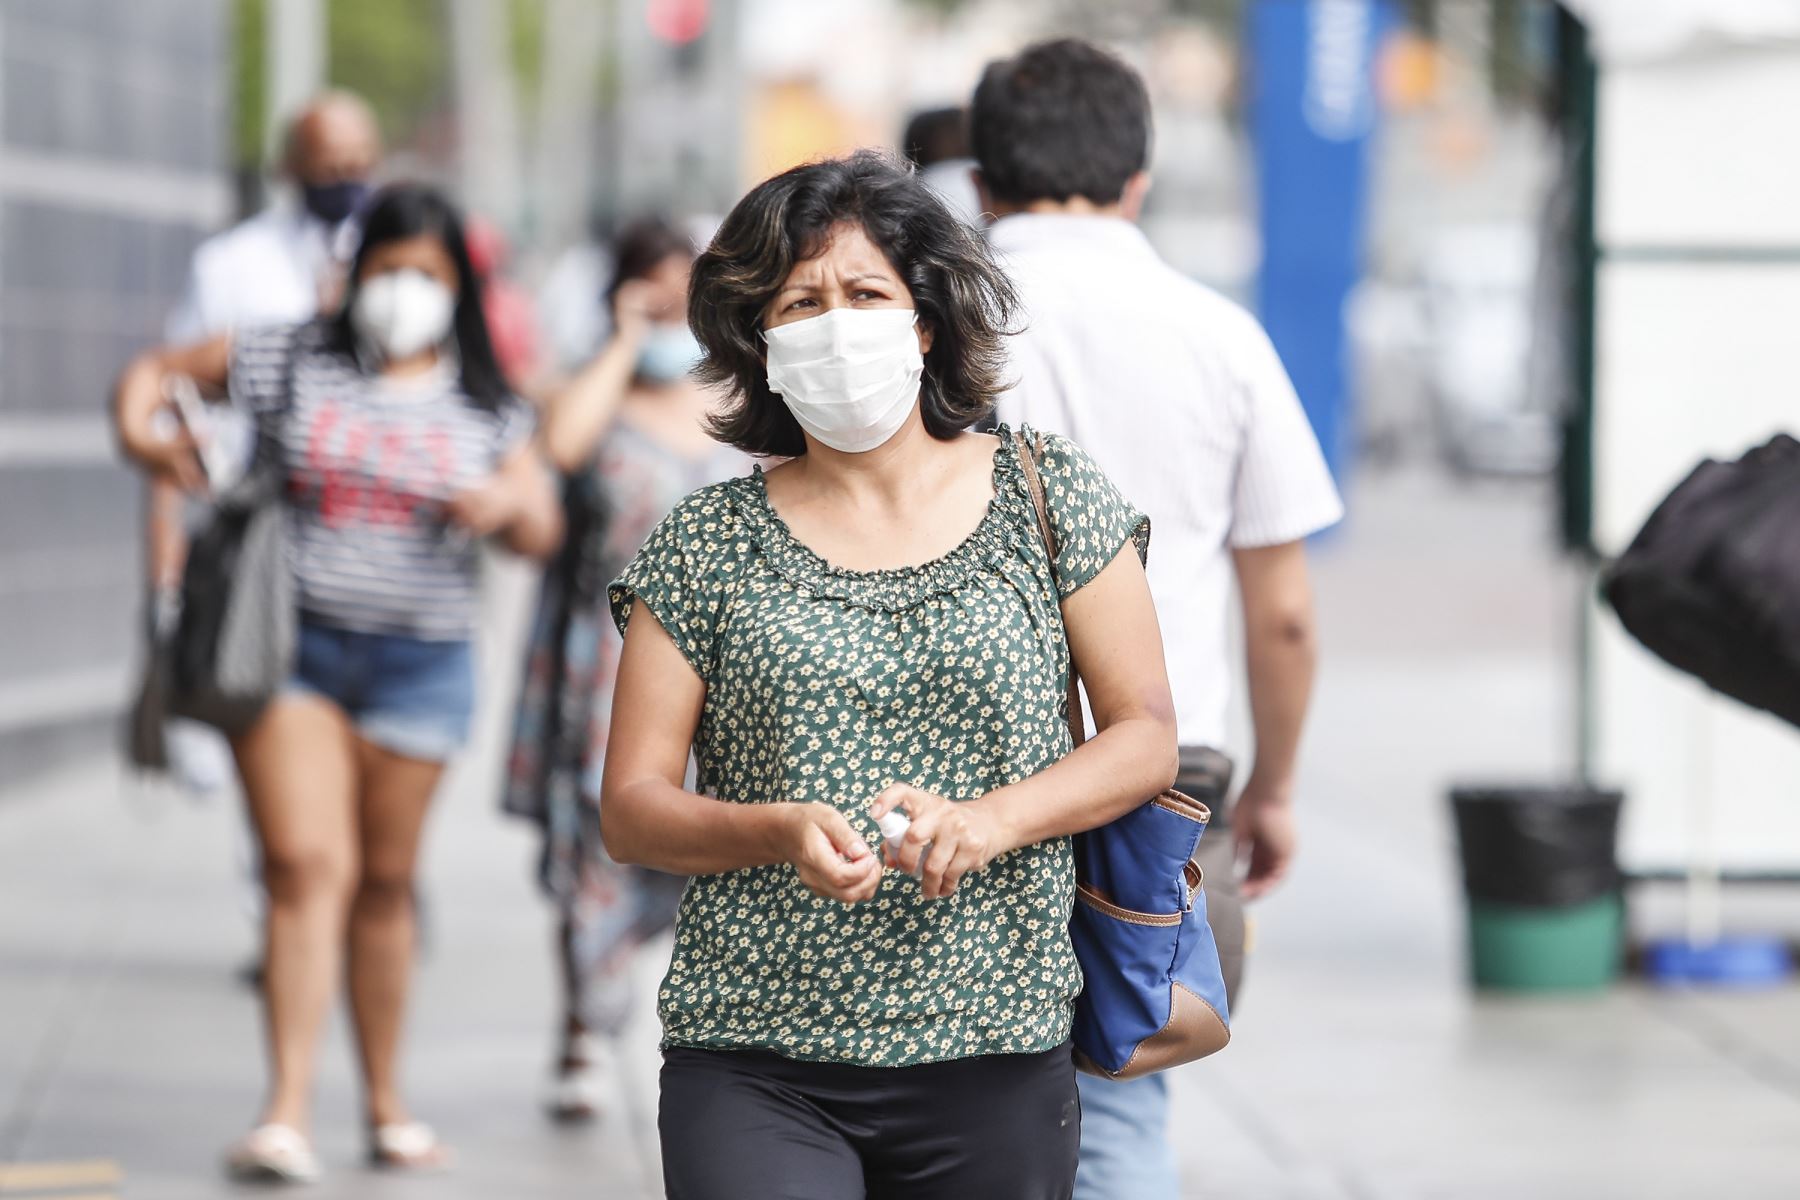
x: 629, y: 435
x: 874, y: 626
x: 399, y: 448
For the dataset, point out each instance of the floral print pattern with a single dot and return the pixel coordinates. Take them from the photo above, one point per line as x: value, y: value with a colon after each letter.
x: 827, y: 685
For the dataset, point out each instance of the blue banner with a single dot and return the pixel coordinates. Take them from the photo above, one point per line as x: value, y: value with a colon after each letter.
x: 1313, y: 108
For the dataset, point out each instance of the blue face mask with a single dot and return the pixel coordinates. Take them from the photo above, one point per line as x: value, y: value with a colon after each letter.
x: 669, y: 352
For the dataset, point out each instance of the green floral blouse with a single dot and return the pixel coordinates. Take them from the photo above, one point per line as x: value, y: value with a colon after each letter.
x: 827, y: 685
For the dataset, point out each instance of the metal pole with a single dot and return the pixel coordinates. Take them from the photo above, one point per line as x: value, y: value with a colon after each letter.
x: 565, y: 143
x: 488, y: 110
x: 295, y: 51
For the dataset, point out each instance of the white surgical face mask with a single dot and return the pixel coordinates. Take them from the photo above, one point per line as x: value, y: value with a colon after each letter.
x: 849, y: 376
x: 399, y: 313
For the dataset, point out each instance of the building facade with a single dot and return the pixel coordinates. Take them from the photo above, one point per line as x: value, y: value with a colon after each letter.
x: 112, y: 168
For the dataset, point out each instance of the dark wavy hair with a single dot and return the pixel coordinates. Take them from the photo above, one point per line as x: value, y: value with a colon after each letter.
x: 641, y: 247
x: 958, y: 291
x: 408, y: 210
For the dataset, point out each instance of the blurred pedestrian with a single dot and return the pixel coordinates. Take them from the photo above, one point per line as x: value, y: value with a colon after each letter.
x: 630, y: 436
x: 936, y: 141
x: 1161, y: 378
x: 286, y: 263
x: 873, y: 628
x: 280, y: 266
x: 570, y: 298
x: 399, y: 446
x: 511, y: 315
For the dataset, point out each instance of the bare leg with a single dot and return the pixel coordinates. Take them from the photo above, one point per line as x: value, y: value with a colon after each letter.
x: 572, y: 979
x: 298, y: 768
x: 396, y: 792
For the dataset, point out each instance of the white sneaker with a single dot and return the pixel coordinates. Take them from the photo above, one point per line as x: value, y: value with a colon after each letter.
x: 584, y: 1081
x: 273, y: 1154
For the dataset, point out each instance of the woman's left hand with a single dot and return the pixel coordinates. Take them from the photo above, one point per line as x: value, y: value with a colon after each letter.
x: 964, y: 836
x: 488, y: 507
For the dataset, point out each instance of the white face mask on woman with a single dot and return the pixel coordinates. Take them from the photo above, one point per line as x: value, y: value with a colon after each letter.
x: 399, y: 313
x: 849, y: 376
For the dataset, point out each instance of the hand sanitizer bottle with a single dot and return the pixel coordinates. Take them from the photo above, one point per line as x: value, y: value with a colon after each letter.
x: 893, y: 827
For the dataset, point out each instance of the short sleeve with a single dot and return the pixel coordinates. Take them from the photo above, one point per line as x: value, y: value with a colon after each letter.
x: 258, y: 373
x: 675, y: 575
x: 1284, y: 490
x: 1091, y: 518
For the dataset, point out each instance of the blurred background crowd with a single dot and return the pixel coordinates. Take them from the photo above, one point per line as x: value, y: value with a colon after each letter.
x: 1526, y: 261
x: 133, y: 130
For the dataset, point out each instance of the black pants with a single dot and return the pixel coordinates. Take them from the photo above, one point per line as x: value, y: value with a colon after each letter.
x: 750, y: 1125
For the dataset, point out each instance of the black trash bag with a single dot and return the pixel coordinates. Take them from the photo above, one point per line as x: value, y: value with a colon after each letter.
x: 1711, y: 584
x: 1540, y: 847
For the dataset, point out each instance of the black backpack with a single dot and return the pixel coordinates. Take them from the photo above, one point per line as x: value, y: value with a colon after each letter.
x: 1711, y: 583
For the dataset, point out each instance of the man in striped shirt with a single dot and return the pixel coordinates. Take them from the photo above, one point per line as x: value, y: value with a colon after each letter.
x: 1178, y: 393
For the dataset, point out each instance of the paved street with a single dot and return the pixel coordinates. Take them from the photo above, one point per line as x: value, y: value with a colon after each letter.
x: 1362, y: 1068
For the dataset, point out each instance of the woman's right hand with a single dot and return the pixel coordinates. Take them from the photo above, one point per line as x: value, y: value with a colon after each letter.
x: 174, y: 458
x: 578, y: 416
x: 830, y: 857
x: 138, y: 400
x: 636, y: 304
x: 151, y: 433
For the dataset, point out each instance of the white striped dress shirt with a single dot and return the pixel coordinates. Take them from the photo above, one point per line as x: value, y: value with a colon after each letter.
x: 1178, y: 394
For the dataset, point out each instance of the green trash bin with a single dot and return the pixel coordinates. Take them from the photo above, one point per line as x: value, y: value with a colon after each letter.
x: 1516, y: 948
x: 1542, y: 879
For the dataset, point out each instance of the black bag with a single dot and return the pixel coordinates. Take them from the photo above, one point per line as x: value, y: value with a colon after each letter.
x: 234, y: 646
x: 146, y: 743
x: 1711, y: 584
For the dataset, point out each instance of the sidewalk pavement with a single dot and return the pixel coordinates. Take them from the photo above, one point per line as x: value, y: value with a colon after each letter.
x: 1361, y: 1069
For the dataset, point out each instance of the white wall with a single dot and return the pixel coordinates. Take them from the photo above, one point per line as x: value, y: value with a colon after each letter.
x: 1697, y: 354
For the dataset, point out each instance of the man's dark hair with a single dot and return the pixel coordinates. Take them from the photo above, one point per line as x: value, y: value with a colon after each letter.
x: 936, y: 135
x: 957, y: 291
x: 1061, y: 119
x: 409, y: 210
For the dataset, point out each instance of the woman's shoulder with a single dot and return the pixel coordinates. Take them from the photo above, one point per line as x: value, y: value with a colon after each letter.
x: 1060, y: 461
x: 1053, y: 452
x: 710, y: 516
x: 1089, y: 512
x: 699, y: 542
x: 266, y: 358
x: 318, y: 335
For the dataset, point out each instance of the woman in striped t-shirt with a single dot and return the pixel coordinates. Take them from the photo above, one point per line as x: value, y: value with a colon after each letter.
x: 402, y: 448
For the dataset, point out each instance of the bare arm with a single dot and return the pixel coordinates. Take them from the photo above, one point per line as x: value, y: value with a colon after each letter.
x: 647, y: 817
x: 515, y: 504
x: 165, y: 539
x: 139, y: 394
x: 1281, y: 646
x: 1117, y: 647
x: 577, y: 417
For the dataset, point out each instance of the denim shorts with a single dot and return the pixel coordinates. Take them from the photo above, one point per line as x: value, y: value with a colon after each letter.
x: 411, y: 696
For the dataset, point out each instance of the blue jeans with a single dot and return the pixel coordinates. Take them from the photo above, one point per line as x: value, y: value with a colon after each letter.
x: 410, y: 696
x: 1125, y: 1151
